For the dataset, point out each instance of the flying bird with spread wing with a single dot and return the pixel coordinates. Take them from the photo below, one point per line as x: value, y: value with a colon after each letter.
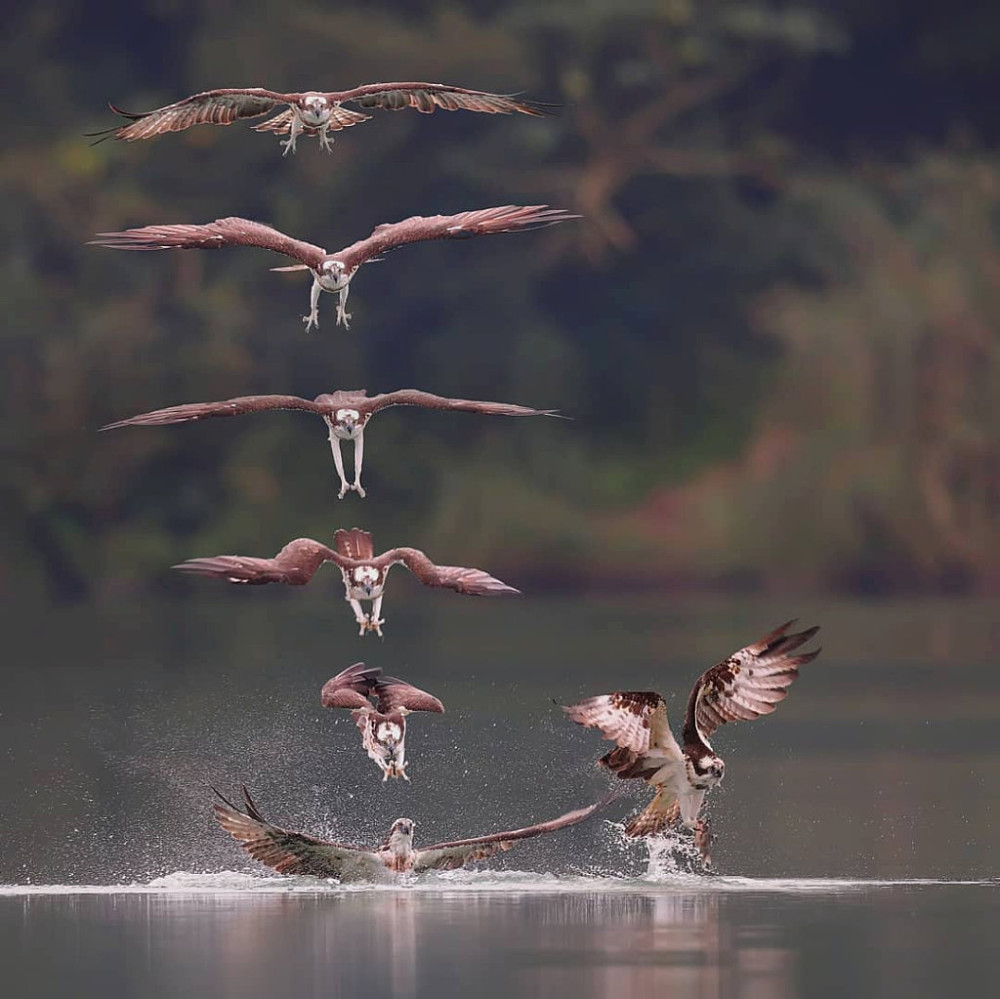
x: 333, y: 272
x: 312, y: 112
x: 290, y: 852
x: 382, y: 725
x: 345, y: 413
x: 747, y: 685
x: 363, y: 572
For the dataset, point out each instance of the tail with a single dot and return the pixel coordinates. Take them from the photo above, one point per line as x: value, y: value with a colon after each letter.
x: 657, y: 817
x: 355, y: 543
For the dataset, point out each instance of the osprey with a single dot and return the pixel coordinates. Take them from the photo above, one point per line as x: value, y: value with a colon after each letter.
x: 345, y: 413
x: 747, y: 685
x: 364, y: 574
x: 312, y: 112
x: 296, y: 853
x: 333, y: 271
x: 383, y: 726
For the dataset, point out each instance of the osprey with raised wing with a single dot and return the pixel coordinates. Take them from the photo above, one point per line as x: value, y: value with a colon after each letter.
x: 345, y: 413
x: 749, y: 684
x: 290, y: 852
x: 382, y: 725
x: 333, y: 272
x: 363, y: 572
x: 312, y: 112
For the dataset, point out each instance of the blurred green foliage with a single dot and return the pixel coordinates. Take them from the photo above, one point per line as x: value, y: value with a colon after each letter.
x: 776, y: 327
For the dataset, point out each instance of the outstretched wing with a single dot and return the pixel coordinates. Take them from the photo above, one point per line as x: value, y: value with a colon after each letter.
x: 457, y: 853
x: 414, y: 397
x: 453, y: 577
x: 750, y: 683
x: 636, y: 720
x: 427, y: 97
x: 290, y: 852
x: 211, y: 236
x: 484, y: 222
x: 212, y: 107
x: 393, y: 693
x: 339, y: 118
x: 205, y: 410
x: 350, y: 688
x: 295, y: 565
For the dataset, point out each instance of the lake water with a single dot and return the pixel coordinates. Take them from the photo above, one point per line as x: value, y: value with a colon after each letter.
x: 856, y: 849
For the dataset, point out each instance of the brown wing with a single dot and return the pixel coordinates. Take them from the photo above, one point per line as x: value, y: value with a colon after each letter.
x: 211, y: 236
x: 393, y: 693
x: 453, y: 577
x: 212, y: 107
x: 457, y: 853
x: 354, y: 544
x: 295, y: 565
x: 484, y: 222
x: 414, y: 397
x: 350, y: 688
x: 427, y: 97
x: 340, y: 118
x: 205, y: 410
x: 290, y: 852
x: 750, y: 683
x: 636, y: 720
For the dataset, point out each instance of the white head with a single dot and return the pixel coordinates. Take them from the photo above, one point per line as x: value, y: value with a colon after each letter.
x: 347, y: 420
x: 401, y: 833
x: 707, y: 770
x: 365, y: 577
x: 315, y: 109
x: 332, y: 275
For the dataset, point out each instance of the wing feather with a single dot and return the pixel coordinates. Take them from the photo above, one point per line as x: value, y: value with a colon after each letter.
x: 635, y: 720
x: 393, y: 694
x: 415, y: 397
x: 206, y: 410
x: 340, y: 118
x: 294, y: 565
x: 475, y: 582
x: 211, y: 107
x: 231, y: 231
x: 354, y: 544
x: 749, y: 684
x: 427, y: 97
x: 457, y: 853
x: 351, y: 687
x: 420, y: 228
x: 285, y: 851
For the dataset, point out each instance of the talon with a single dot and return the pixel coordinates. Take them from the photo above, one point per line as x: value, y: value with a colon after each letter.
x: 376, y: 626
x: 362, y: 623
x: 343, y: 491
x: 357, y: 488
x: 342, y: 318
x: 312, y: 320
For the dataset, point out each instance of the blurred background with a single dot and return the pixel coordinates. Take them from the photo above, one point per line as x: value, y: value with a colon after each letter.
x: 775, y: 328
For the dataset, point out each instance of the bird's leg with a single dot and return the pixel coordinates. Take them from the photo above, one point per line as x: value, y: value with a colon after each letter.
x: 375, y: 622
x: 359, y: 457
x: 313, y: 318
x: 359, y: 615
x: 289, y: 143
x: 325, y: 142
x: 342, y: 315
x: 338, y: 460
x: 703, y: 839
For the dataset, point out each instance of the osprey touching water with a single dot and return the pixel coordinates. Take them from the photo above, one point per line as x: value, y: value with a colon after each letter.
x: 345, y: 413
x: 383, y: 725
x: 312, y: 112
x: 747, y: 685
x: 364, y: 574
x: 296, y: 853
x: 333, y: 272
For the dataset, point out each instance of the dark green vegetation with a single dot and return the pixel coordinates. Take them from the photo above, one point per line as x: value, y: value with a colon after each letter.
x: 776, y: 328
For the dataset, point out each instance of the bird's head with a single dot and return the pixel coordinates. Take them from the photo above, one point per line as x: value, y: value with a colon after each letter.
x: 365, y: 577
x: 708, y: 768
x: 401, y: 833
x: 315, y: 109
x: 348, y: 421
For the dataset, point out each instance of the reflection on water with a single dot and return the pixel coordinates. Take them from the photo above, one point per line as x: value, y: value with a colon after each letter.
x: 495, y: 939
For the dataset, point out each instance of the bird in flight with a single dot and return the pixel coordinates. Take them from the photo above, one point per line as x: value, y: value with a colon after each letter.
x: 747, y: 685
x: 382, y: 725
x: 312, y: 112
x: 333, y: 272
x: 345, y: 413
x: 290, y: 852
x: 364, y: 574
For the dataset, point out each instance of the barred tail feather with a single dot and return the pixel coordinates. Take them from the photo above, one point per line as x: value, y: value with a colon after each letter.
x: 657, y: 817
